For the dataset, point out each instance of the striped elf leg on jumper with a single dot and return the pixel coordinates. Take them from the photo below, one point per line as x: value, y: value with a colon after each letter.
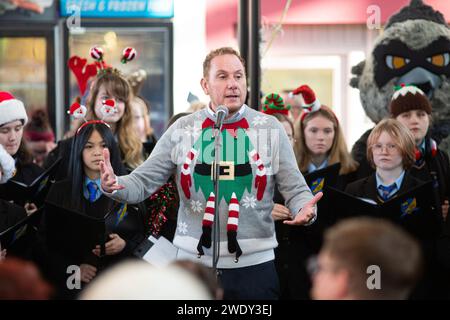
x: 186, y: 180
x: 261, y: 178
x: 208, y: 220
x: 232, y: 226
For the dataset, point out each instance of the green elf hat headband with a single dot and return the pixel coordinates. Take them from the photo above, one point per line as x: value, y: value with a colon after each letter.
x: 275, y: 104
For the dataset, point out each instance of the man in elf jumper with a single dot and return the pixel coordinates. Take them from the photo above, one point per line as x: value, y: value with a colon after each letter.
x: 249, y: 169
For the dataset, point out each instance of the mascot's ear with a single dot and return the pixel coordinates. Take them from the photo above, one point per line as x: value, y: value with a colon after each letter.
x: 357, y: 71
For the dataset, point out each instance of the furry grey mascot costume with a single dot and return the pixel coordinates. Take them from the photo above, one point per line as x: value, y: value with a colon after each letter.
x: 413, y: 49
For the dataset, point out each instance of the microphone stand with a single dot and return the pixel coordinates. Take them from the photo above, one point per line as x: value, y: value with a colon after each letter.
x: 216, y: 175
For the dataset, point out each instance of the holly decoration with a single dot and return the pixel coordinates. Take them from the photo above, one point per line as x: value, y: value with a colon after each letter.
x: 161, y: 205
x: 399, y: 87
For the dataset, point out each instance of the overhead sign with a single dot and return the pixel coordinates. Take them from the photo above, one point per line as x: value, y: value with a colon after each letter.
x: 117, y: 8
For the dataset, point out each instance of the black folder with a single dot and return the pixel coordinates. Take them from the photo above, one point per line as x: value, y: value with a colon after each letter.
x: 75, y: 232
x: 35, y: 192
x: 142, y: 248
x: 12, y: 235
x: 327, y: 176
x: 317, y: 181
x: 413, y: 209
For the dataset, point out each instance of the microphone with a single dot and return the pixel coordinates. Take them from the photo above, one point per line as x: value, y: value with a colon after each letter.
x: 221, y: 114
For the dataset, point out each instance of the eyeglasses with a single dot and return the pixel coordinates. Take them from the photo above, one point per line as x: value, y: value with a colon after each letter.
x: 390, y: 147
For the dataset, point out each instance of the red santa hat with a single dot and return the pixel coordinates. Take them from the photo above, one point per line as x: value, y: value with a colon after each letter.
x: 309, y: 101
x: 11, y: 109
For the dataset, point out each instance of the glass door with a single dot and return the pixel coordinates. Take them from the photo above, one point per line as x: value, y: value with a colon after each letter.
x: 153, y: 43
x: 27, y: 69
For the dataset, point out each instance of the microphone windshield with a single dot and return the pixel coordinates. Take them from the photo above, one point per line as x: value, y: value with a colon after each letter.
x: 222, y: 109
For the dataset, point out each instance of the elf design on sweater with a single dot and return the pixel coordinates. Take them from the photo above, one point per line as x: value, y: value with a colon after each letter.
x: 235, y: 178
x: 250, y: 210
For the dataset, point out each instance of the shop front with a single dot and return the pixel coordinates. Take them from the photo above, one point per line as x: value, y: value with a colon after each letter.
x: 36, y: 44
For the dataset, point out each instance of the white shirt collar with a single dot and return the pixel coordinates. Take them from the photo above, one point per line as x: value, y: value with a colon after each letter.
x: 235, y: 116
x: 398, y: 181
x: 312, y: 167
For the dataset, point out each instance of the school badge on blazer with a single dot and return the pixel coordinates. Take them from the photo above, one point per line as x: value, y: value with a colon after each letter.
x: 409, y: 206
x: 42, y: 184
x: 317, y: 185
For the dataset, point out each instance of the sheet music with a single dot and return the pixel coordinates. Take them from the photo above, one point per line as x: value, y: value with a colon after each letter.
x: 368, y: 200
x: 162, y: 253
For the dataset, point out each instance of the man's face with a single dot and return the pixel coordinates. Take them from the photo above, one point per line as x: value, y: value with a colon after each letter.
x: 225, y: 83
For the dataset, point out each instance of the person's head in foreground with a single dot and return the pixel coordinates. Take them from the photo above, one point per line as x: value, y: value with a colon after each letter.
x: 204, y: 274
x: 21, y: 280
x: 138, y: 280
x: 366, y: 259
